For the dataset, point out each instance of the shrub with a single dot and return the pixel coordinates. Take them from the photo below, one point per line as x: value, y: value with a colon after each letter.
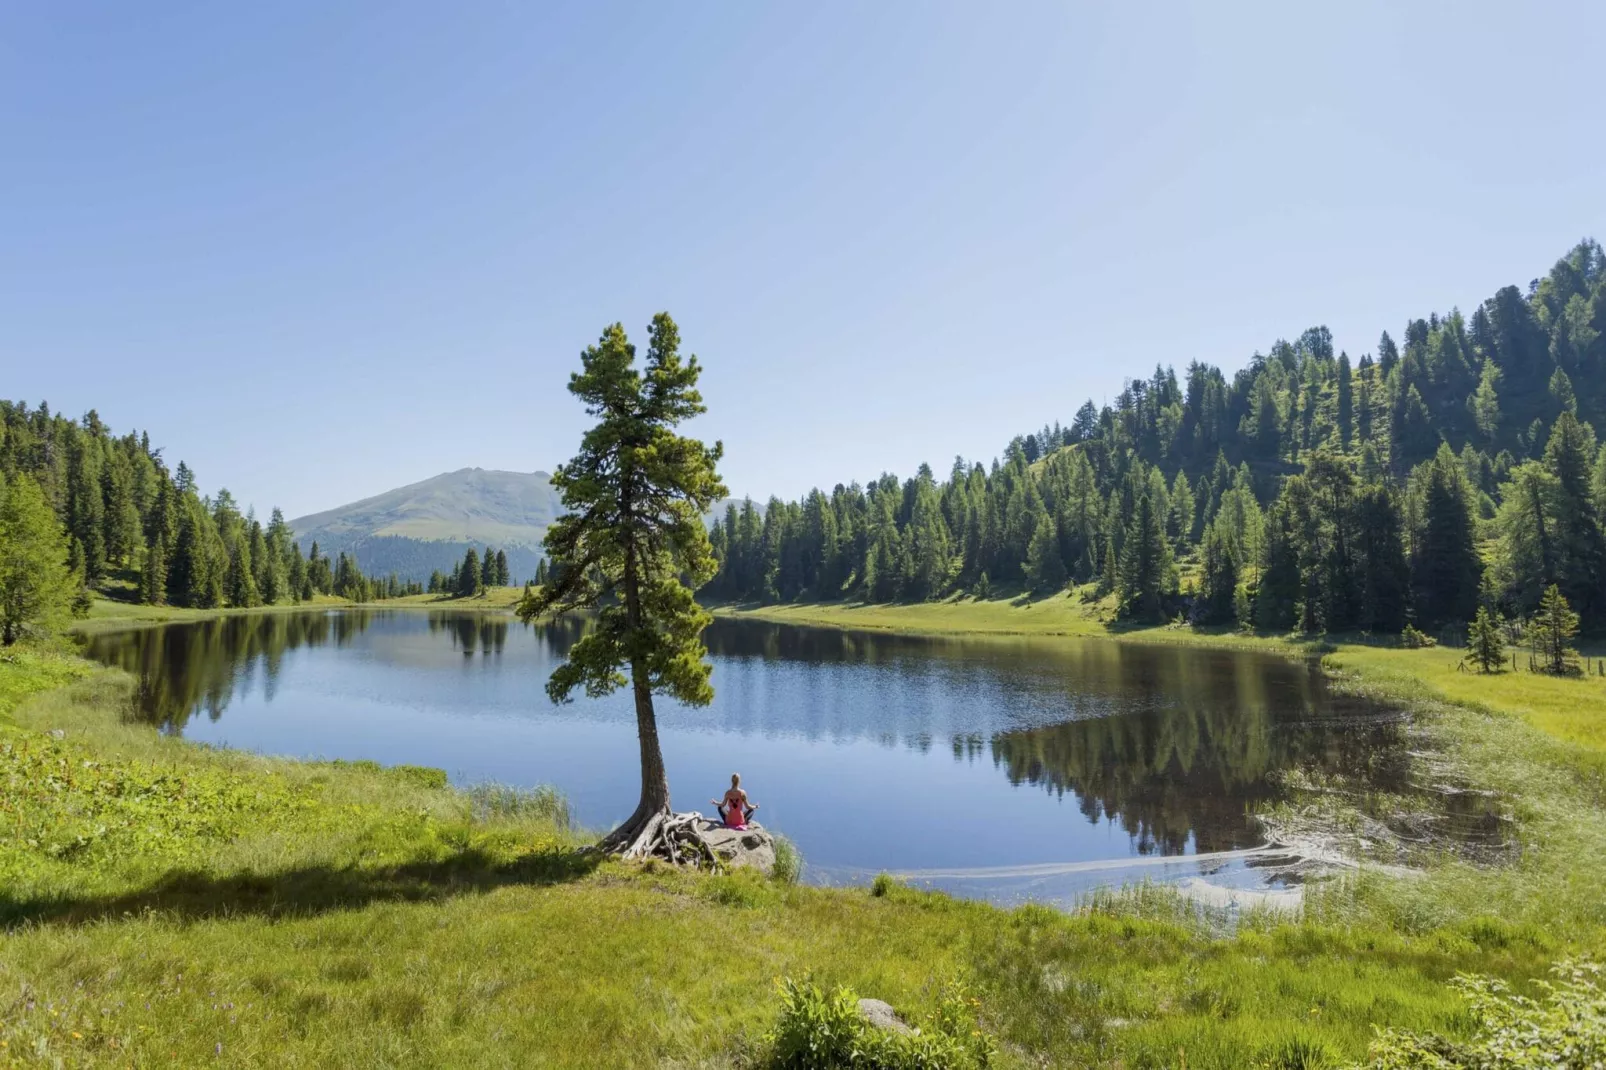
x: 1412, y: 639
x: 820, y: 1030
x: 788, y: 861
x: 1566, y: 1030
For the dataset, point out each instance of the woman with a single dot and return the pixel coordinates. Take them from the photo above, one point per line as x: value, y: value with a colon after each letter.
x: 734, y: 809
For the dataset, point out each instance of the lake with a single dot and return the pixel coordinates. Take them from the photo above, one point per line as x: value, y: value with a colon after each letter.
x: 1004, y: 768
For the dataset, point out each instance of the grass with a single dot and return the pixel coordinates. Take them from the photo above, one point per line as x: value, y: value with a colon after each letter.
x: 116, y: 614
x: 167, y: 903
x: 1074, y: 614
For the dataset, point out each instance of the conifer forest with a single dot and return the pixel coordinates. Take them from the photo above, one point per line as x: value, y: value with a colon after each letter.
x: 1453, y: 468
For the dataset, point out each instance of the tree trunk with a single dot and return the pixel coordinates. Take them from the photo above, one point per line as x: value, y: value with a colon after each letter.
x: 654, y: 803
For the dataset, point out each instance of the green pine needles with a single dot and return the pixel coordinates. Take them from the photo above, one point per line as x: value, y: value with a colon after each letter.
x: 632, y: 545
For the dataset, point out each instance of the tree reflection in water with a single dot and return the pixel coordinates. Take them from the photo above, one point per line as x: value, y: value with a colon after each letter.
x: 1178, y: 746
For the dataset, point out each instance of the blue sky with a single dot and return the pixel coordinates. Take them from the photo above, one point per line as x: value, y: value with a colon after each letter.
x: 320, y: 250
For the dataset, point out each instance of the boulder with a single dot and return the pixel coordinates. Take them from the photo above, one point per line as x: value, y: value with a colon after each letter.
x: 753, y: 846
x: 881, y: 1016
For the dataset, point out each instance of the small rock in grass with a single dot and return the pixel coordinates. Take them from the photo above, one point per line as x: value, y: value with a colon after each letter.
x: 881, y: 1015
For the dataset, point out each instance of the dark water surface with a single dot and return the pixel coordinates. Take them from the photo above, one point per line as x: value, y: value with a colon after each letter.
x: 871, y: 752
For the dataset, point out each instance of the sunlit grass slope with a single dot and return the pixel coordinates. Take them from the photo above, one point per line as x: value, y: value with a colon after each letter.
x: 168, y: 904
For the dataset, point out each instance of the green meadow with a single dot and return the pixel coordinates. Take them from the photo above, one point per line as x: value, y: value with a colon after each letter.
x: 171, y: 904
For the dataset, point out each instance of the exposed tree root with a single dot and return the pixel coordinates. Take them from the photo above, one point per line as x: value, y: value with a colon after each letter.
x: 675, y: 838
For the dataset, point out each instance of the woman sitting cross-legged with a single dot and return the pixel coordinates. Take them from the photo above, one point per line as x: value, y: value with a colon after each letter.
x: 734, y: 809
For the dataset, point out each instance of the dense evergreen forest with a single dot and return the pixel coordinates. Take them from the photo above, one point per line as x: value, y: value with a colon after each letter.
x: 81, y: 508
x: 1453, y: 469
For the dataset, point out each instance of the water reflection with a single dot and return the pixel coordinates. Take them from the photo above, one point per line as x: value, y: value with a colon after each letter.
x: 965, y: 751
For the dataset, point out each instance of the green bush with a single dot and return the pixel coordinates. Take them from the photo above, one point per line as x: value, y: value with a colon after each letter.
x: 788, y: 861
x: 820, y: 1030
x: 1564, y: 1031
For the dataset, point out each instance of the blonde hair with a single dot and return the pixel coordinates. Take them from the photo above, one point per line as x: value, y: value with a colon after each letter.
x: 736, y: 780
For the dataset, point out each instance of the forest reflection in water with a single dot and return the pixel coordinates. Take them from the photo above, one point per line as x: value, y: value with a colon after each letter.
x: 1177, y: 747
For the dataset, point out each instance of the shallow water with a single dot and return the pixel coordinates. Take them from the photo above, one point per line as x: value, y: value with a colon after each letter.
x: 961, y: 761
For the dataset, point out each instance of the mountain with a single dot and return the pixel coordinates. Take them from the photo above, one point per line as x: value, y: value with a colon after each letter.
x: 416, y: 529
x: 429, y: 525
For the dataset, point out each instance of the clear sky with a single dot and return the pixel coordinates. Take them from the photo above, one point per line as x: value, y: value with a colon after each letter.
x: 320, y: 250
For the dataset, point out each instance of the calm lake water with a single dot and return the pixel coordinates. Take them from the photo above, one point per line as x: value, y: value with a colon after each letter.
x: 1007, y: 768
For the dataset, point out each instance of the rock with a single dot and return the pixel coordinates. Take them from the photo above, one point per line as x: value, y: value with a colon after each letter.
x: 58, y: 733
x: 753, y: 847
x: 881, y: 1015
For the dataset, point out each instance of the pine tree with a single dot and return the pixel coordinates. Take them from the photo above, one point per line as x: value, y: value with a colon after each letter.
x: 541, y: 571
x: 1180, y: 522
x: 1551, y: 629
x: 1485, y: 402
x: 85, y: 514
x: 241, y: 584
x: 1277, y: 595
x: 635, y: 494
x: 488, y: 570
x: 503, y: 577
x: 1445, y: 567
x: 1383, y: 575
x: 1525, y: 561
x: 1145, y: 563
x: 1580, y: 546
x: 1486, y: 646
x: 1045, y: 569
x: 1346, y: 402
x: 1218, y: 581
x: 468, y: 575
x: 300, y: 583
x: 36, y: 588
x: 153, y: 576
x: 1561, y: 391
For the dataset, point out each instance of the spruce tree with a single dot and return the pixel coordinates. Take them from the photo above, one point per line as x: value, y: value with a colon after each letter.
x: 635, y: 494
x: 503, y: 577
x: 1552, y: 628
x: 1383, y: 576
x: 1580, y: 546
x: 468, y: 575
x: 1561, y: 391
x: 300, y: 585
x: 1277, y: 595
x: 1346, y: 402
x: 153, y: 575
x: 1445, y: 567
x: 488, y: 570
x: 240, y: 584
x: 1486, y: 646
x: 1045, y: 569
x: 1218, y: 581
x: 36, y: 587
x: 1485, y: 402
x: 1525, y: 558
x: 1145, y: 563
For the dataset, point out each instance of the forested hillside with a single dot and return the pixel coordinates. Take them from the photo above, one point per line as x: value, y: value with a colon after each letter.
x: 106, y: 506
x: 1453, y: 468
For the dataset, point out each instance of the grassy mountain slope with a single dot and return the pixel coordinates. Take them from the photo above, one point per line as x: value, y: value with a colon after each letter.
x: 423, y: 526
x: 429, y: 525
